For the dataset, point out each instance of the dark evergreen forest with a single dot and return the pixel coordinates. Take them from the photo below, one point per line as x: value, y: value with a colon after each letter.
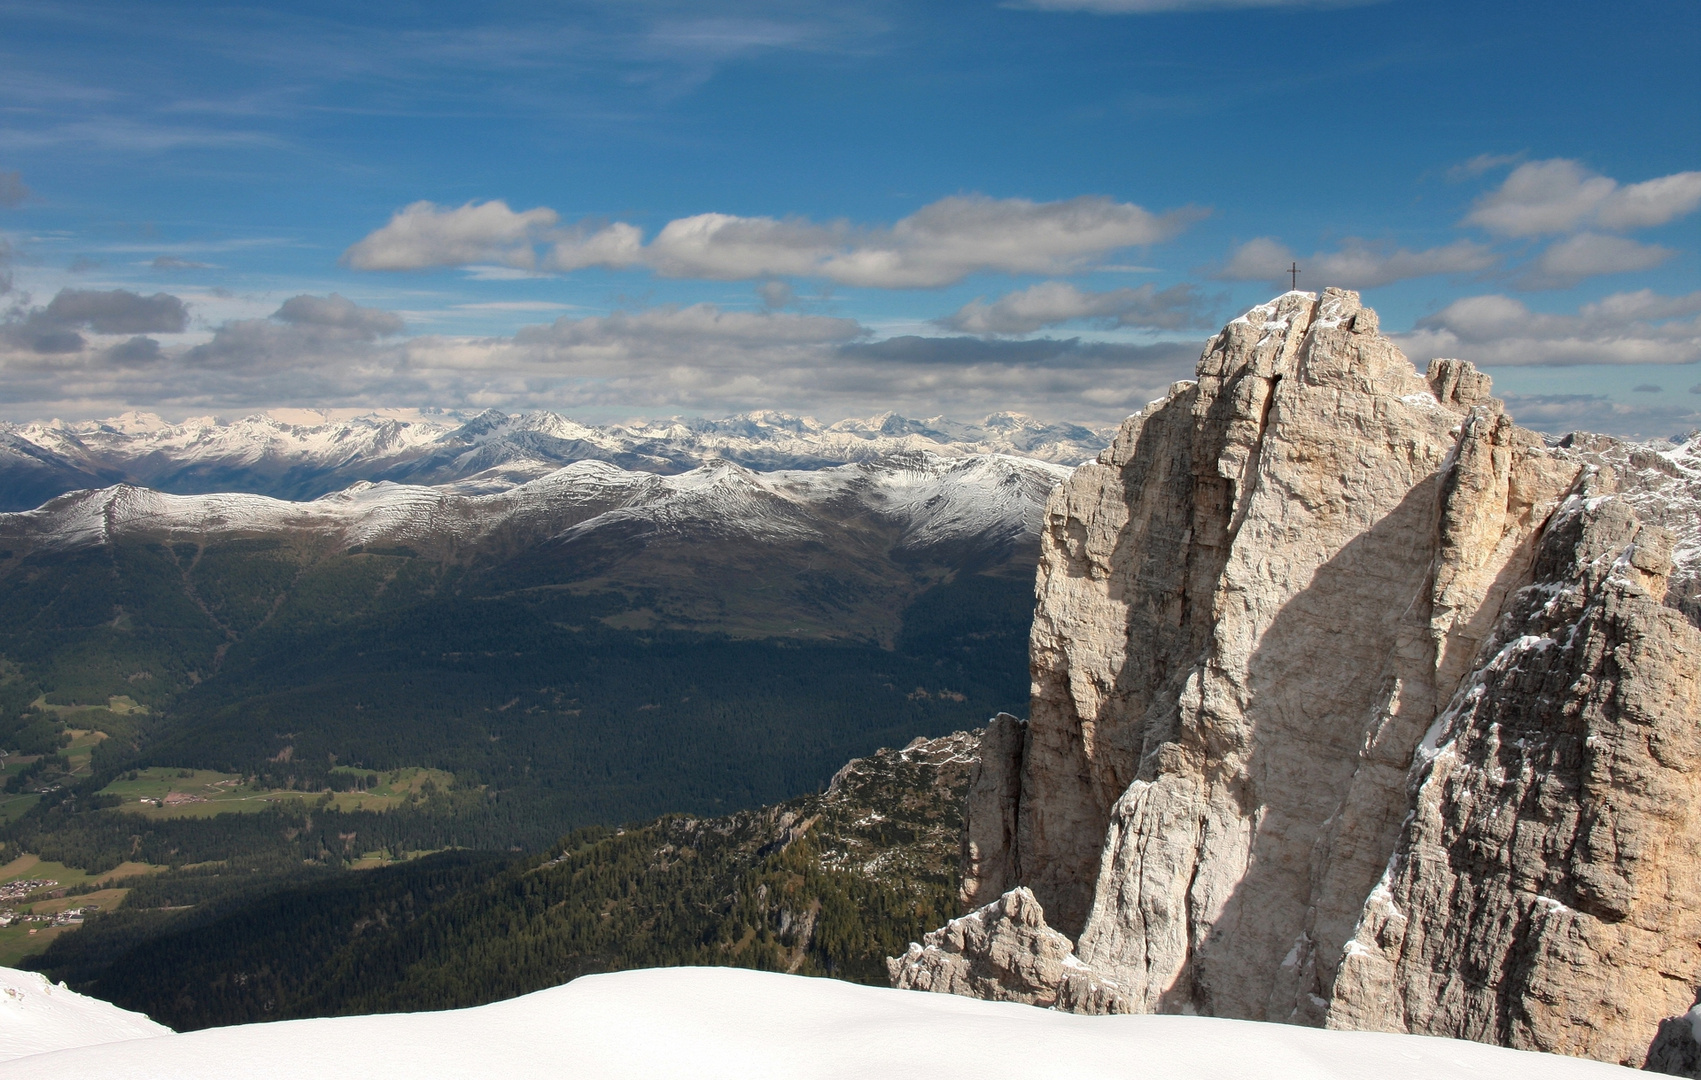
x: 827, y: 884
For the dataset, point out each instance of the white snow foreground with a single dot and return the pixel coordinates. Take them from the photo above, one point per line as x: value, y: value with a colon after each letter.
x: 37, y: 1017
x: 721, y: 1022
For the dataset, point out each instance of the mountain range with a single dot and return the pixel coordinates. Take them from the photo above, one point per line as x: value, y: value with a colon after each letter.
x: 1354, y: 705
x: 297, y: 454
x: 592, y: 646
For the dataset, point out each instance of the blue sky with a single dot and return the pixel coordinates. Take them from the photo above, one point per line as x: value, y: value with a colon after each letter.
x: 647, y: 208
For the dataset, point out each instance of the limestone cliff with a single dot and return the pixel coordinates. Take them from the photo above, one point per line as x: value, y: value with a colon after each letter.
x: 1291, y: 753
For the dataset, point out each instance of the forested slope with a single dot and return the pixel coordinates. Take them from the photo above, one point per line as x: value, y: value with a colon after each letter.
x: 827, y: 884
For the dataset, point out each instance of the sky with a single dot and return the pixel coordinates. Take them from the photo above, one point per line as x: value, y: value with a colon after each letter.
x: 646, y: 208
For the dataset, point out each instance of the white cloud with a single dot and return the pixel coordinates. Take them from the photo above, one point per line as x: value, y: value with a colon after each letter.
x: 1052, y: 302
x: 1359, y: 264
x: 1560, y: 195
x: 1560, y: 413
x: 423, y: 235
x: 724, y: 247
x: 325, y: 352
x: 949, y: 239
x: 1652, y: 202
x: 1480, y: 164
x: 939, y: 244
x: 618, y: 246
x: 1626, y: 328
x: 1566, y: 262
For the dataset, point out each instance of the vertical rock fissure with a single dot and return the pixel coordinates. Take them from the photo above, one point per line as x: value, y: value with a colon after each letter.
x: 1240, y: 494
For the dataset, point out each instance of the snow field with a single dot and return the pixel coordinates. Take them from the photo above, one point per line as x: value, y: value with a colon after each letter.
x: 37, y: 1017
x: 713, y: 1023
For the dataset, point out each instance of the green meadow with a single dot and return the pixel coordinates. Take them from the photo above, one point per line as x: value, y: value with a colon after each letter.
x: 163, y: 792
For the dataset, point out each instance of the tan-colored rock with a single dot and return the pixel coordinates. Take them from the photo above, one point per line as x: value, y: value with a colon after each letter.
x: 1546, y: 893
x: 1239, y: 640
x: 1004, y: 952
x: 1251, y: 611
x: 989, y: 813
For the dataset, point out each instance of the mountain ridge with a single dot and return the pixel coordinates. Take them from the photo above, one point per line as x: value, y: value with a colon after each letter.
x: 491, y: 451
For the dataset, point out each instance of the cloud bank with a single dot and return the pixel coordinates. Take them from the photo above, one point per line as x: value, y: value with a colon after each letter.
x: 56, y: 328
x: 1541, y: 198
x: 327, y: 351
x: 89, y: 352
x: 1050, y: 303
x: 938, y: 245
x: 1358, y: 264
x: 1640, y: 327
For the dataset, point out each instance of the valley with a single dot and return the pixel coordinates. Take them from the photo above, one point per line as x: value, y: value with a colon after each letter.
x: 258, y: 695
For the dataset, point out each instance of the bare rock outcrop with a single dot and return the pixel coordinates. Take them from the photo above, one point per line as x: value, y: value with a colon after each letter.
x: 989, y: 812
x: 1005, y: 952
x: 1255, y: 780
x: 1546, y: 893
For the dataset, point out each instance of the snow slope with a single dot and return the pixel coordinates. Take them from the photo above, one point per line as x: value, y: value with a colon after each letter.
x: 37, y: 1017
x: 723, y: 1022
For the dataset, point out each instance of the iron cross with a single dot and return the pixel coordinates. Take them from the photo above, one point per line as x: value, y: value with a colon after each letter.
x: 1294, y: 270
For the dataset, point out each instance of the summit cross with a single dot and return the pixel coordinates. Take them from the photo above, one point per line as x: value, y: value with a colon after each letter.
x: 1294, y: 270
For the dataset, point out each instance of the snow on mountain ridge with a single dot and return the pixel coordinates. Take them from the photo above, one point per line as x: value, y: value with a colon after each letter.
x: 934, y: 498
x: 275, y: 455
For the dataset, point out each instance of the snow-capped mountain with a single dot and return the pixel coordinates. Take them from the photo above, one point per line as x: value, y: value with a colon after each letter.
x: 300, y: 455
x: 922, y: 500
x: 726, y: 1022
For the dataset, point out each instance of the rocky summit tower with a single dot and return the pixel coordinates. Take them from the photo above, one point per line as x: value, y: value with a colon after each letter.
x: 1354, y: 704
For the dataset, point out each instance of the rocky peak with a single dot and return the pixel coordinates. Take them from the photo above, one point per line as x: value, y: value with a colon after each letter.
x: 1263, y: 614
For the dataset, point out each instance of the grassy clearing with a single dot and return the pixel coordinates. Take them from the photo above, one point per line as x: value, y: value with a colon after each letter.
x: 81, y: 750
x: 374, y: 859
x: 13, y: 807
x: 17, y: 942
x: 34, y: 930
x: 80, y: 715
x: 179, y: 793
x: 67, y: 877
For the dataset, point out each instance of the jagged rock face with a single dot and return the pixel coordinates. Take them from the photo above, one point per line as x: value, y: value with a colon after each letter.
x: 1254, y: 607
x: 1237, y: 647
x: 989, y: 813
x: 1546, y: 894
x: 1002, y: 952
